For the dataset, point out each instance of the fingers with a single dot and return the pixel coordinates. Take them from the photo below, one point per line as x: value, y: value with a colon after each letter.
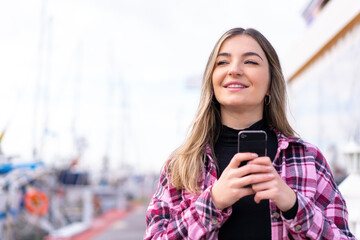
x: 240, y: 157
x: 254, y: 168
x: 263, y: 178
x: 276, y: 190
x: 247, y: 191
x: 248, y: 170
x: 267, y: 189
x: 257, y: 179
x: 231, y: 186
x: 261, y: 161
x: 225, y: 194
x: 263, y: 195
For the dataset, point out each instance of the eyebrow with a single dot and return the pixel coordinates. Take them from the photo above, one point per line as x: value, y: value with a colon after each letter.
x: 225, y: 54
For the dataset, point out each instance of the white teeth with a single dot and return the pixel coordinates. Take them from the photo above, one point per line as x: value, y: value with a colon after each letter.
x: 236, y: 86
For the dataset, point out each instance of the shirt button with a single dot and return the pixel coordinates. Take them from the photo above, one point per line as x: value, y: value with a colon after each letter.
x: 276, y: 215
x: 214, y: 221
x: 297, y: 227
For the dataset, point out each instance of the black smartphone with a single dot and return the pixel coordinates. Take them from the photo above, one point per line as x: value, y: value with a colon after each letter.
x: 253, y: 141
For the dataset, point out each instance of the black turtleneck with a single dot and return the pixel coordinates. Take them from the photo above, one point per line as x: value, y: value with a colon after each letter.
x: 248, y: 220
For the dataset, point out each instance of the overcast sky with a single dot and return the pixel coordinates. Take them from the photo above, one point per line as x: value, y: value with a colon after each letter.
x: 114, y: 72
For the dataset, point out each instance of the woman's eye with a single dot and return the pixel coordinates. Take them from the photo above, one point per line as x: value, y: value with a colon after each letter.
x: 251, y: 62
x: 219, y: 63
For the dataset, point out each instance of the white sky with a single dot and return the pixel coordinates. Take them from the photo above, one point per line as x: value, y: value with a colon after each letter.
x: 115, y: 72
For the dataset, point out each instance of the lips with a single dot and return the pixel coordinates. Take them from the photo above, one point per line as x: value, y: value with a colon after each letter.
x: 235, y: 85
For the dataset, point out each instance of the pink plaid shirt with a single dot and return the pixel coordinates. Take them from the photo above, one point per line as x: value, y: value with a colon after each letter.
x: 322, y: 213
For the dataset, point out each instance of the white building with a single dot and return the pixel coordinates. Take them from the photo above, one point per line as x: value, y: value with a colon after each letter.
x: 323, y: 75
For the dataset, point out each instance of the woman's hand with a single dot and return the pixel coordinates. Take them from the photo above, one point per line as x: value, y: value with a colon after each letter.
x: 274, y: 189
x: 231, y: 185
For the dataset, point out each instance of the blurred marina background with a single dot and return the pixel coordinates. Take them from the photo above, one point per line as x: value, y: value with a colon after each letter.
x: 95, y: 95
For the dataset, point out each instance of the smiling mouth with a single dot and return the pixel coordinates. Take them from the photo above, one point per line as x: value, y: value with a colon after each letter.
x: 235, y: 86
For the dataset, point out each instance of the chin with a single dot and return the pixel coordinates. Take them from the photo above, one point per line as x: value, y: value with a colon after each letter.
x: 233, y: 104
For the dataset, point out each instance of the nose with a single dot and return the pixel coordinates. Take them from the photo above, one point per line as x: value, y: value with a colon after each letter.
x: 235, y: 70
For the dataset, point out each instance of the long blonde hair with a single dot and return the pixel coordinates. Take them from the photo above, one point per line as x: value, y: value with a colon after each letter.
x: 186, y: 163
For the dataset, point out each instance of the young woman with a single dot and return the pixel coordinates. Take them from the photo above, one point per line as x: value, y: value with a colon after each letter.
x: 202, y: 191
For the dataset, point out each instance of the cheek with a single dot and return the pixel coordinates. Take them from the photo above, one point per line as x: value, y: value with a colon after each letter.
x: 214, y: 78
x: 217, y: 78
x: 216, y: 84
x: 263, y: 79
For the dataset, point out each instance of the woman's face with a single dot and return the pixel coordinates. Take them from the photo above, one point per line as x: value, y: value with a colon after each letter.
x: 241, y: 76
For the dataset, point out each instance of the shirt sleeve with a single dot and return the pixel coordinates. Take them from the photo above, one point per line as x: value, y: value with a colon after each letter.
x: 322, y: 213
x: 173, y: 214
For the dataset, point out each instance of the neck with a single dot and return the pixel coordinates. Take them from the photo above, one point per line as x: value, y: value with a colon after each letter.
x: 240, y: 119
